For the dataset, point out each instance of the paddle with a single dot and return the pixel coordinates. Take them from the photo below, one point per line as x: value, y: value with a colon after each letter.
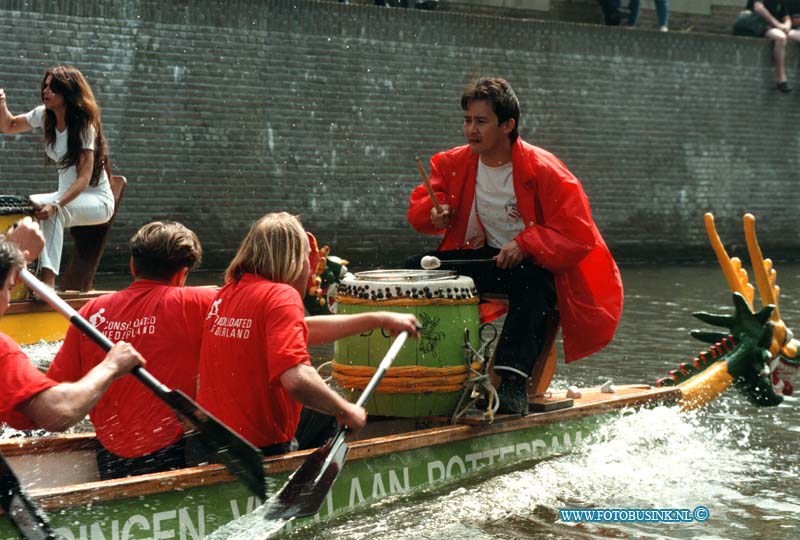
x: 305, y: 491
x: 26, y: 517
x: 240, y: 457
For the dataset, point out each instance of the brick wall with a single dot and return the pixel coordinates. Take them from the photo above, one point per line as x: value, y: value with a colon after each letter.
x: 218, y: 112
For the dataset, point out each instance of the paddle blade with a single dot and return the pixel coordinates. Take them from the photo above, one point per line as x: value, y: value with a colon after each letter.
x: 306, y: 490
x: 309, y: 485
x: 26, y: 517
x: 241, y: 458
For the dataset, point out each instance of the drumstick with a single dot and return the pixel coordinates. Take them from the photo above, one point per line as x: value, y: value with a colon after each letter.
x: 428, y: 185
x: 429, y: 262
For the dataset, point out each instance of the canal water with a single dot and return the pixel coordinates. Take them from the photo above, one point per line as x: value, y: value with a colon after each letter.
x: 739, y: 461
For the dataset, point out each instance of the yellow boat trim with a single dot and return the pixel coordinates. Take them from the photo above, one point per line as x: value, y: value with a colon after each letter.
x: 705, y: 387
x: 30, y: 328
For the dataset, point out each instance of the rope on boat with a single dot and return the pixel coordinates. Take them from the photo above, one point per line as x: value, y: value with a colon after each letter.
x: 479, y: 385
x: 404, y: 379
x: 325, y: 366
x: 479, y: 395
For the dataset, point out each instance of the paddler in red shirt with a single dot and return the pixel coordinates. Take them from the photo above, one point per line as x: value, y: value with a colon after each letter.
x: 255, y: 369
x: 519, y: 209
x: 29, y: 398
x: 138, y: 432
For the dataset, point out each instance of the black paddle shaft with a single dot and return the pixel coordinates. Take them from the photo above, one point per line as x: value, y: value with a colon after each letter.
x: 240, y: 457
x: 26, y: 517
x: 306, y: 490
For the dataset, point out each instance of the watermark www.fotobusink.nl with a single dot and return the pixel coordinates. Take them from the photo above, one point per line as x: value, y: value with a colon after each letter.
x: 634, y: 515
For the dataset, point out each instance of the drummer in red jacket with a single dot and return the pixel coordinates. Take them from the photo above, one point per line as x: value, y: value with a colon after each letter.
x: 519, y: 206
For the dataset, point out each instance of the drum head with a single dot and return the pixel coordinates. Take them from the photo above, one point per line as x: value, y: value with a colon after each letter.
x: 395, y: 285
x: 404, y: 275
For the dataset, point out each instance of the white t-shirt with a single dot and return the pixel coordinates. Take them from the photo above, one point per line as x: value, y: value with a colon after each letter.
x: 68, y: 175
x: 496, y: 207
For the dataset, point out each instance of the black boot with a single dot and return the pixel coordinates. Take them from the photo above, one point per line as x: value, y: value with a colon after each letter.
x: 513, y: 394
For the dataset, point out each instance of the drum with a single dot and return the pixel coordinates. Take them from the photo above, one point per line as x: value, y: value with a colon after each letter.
x: 12, y: 209
x: 428, y: 375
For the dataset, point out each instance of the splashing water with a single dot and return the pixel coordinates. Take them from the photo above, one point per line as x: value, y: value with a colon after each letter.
x: 648, y: 459
x: 42, y: 353
x: 251, y: 526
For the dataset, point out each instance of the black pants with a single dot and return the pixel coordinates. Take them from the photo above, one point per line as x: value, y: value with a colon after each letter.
x: 314, y: 429
x: 111, y: 465
x: 531, y: 294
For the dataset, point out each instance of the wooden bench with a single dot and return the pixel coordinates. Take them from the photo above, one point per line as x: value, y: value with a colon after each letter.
x: 494, y: 306
x: 89, y: 243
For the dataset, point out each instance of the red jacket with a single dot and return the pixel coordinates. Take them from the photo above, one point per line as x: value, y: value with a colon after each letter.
x: 559, y: 235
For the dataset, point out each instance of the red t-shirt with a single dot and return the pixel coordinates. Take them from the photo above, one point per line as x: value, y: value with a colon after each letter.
x: 255, y: 331
x: 19, y: 381
x: 165, y: 324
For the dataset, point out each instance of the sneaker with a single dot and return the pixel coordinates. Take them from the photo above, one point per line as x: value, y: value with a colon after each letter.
x: 783, y: 87
x: 513, y: 394
x: 663, y: 29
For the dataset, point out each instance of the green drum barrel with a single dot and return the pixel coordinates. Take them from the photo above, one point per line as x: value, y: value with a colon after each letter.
x: 446, y: 306
x: 12, y: 209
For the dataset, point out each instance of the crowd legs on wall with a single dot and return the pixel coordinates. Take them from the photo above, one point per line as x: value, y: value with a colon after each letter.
x: 614, y: 14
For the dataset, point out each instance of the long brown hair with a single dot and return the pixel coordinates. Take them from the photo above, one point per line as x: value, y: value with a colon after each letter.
x: 274, y: 248
x: 82, y: 112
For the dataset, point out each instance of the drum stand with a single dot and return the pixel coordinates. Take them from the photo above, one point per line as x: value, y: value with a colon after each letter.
x: 479, y: 401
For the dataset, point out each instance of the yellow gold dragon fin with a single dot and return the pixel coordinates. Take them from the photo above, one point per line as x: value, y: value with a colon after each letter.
x: 769, y: 292
x: 735, y: 275
x: 785, y: 364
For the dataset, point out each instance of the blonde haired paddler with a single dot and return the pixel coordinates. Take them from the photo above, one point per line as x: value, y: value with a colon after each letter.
x: 255, y: 369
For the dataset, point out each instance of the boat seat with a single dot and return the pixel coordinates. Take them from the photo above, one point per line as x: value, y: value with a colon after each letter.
x: 492, y: 306
x: 89, y: 243
x: 495, y: 305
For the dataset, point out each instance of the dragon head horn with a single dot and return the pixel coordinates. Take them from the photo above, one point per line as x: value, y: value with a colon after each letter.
x: 762, y: 268
x: 769, y: 292
x: 735, y: 275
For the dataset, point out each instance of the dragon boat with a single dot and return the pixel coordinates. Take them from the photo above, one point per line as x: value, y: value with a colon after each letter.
x: 29, y: 320
x: 444, y: 439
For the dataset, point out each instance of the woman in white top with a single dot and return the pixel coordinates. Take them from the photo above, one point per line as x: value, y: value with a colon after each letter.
x: 73, y: 140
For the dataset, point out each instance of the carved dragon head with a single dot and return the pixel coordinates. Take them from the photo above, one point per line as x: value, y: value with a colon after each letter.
x: 783, y: 348
x: 747, y: 361
x: 326, y: 272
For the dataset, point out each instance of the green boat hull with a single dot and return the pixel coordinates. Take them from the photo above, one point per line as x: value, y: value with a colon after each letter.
x: 192, y: 513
